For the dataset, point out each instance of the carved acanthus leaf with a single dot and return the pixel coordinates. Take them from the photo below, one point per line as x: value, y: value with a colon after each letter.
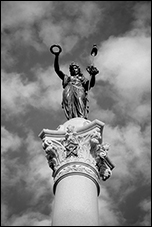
x: 73, y: 147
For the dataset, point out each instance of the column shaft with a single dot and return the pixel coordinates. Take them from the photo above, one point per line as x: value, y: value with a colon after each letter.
x: 76, y: 202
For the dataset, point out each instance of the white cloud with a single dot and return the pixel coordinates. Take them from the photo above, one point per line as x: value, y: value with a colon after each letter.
x: 10, y: 167
x: 18, y: 13
x: 84, y: 19
x: 9, y: 140
x: 4, y: 214
x: 142, y: 22
x: 30, y: 219
x: 108, y: 212
x: 125, y: 63
x: 130, y: 152
x: 89, y: 15
x: 145, y: 205
x: 20, y: 18
x: 51, y: 33
x: 36, y: 175
x: 69, y: 42
x: 96, y: 112
x: 18, y: 94
x: 51, y: 88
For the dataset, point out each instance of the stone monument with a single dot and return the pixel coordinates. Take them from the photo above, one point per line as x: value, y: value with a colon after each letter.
x: 76, y: 152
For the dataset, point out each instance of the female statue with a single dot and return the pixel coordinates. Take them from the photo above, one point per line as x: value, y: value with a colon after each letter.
x: 76, y: 86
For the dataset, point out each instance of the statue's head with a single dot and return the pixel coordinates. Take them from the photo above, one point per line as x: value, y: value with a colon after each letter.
x: 74, y: 69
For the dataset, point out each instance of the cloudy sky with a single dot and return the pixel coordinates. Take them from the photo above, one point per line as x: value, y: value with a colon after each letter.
x: 31, y: 98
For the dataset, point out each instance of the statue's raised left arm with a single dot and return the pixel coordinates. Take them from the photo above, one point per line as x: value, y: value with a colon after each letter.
x: 93, y: 71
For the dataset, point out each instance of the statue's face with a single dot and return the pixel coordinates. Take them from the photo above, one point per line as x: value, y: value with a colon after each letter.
x: 74, y: 69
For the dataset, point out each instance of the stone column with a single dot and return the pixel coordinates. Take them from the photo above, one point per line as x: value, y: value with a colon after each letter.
x: 78, y: 158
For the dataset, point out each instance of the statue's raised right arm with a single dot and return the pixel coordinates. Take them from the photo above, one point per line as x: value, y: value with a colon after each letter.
x: 56, y: 61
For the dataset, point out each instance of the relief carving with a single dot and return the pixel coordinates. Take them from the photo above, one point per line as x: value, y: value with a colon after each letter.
x: 71, y: 142
x: 55, y: 153
x: 73, y: 147
x: 99, y: 151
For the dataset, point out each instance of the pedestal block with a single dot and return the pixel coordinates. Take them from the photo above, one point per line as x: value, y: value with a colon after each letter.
x: 78, y: 159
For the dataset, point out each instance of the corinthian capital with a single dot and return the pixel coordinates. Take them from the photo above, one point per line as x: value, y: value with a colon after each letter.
x: 77, y: 148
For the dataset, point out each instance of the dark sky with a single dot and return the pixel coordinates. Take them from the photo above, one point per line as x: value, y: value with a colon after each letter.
x: 32, y: 95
